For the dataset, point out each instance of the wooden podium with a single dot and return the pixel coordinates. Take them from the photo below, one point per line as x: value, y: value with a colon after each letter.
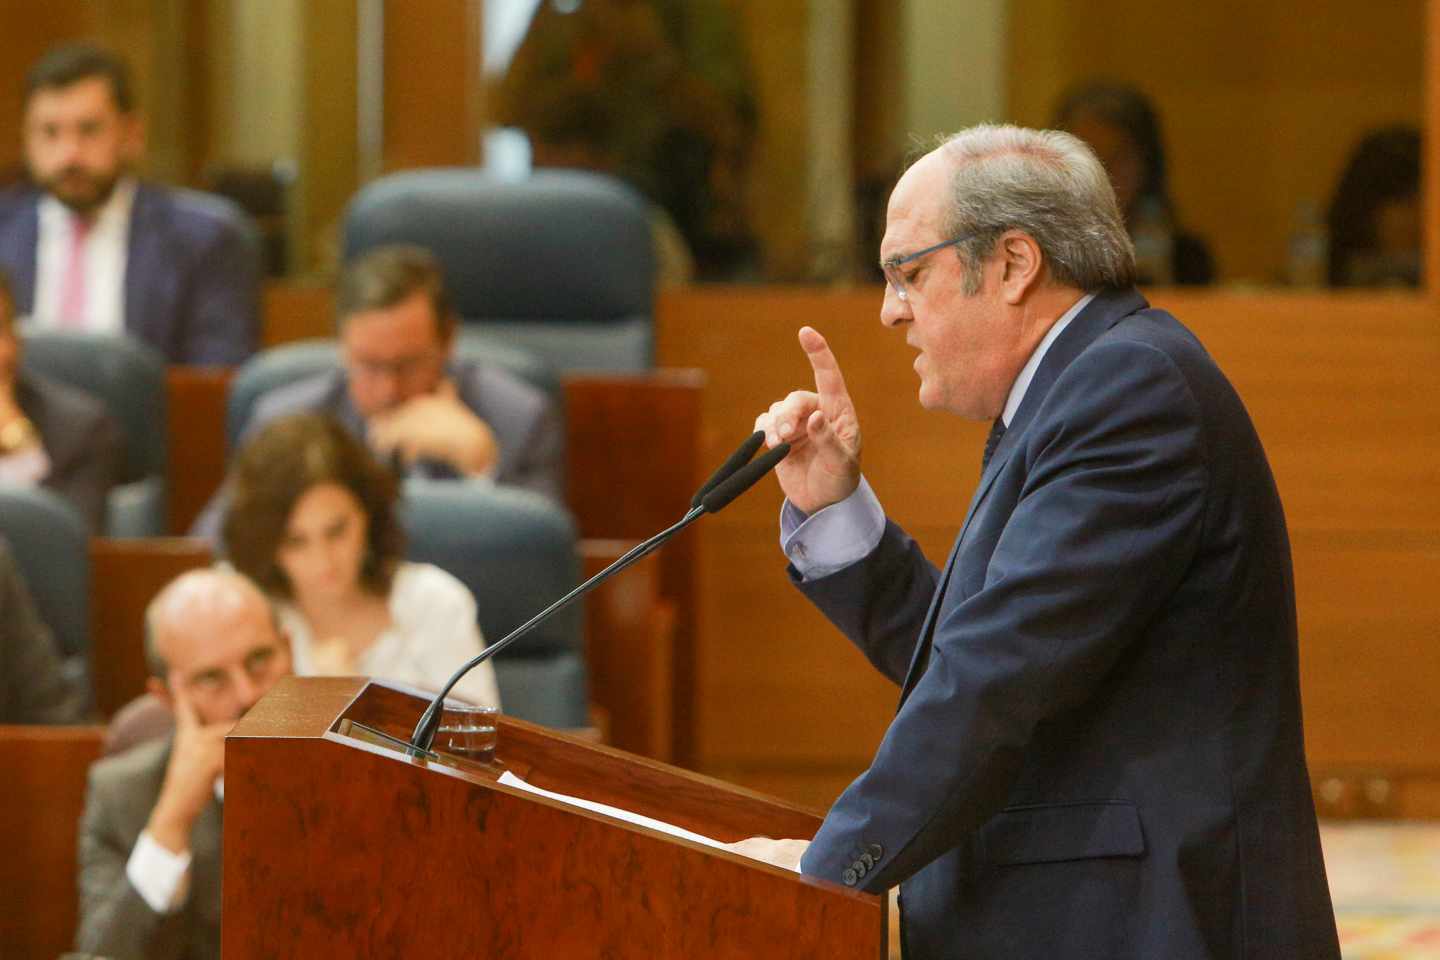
x: 339, y: 846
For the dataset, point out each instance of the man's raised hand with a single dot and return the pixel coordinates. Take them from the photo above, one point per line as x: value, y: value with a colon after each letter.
x: 823, y: 432
x: 197, y: 758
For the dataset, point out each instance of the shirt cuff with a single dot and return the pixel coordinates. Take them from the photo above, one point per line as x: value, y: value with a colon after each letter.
x: 833, y: 538
x: 160, y: 877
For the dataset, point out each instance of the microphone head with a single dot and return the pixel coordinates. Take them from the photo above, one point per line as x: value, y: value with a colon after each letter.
x: 743, y: 479
x: 738, y: 459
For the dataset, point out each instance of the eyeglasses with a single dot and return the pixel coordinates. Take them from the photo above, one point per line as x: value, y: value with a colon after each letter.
x: 891, y: 268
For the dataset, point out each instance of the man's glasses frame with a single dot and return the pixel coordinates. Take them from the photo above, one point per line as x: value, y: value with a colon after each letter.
x: 891, y: 267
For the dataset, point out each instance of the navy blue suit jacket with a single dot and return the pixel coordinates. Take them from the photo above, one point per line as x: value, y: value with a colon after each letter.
x: 1098, y: 751
x: 192, y: 272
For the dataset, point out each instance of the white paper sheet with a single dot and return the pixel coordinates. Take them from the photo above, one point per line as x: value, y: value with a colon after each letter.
x: 510, y: 780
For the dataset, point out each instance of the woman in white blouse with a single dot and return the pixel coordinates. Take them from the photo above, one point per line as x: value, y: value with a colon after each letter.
x: 312, y: 520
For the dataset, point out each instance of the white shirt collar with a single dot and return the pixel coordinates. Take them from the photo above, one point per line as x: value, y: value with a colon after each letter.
x: 1027, y: 372
x: 106, y: 254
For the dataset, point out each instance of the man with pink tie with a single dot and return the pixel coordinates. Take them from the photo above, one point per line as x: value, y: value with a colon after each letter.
x: 92, y: 248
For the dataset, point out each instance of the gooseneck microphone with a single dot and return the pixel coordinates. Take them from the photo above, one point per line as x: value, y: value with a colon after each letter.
x: 734, y: 477
x: 742, y: 455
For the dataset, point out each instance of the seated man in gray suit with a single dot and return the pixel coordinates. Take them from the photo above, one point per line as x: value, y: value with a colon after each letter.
x: 33, y: 687
x: 90, y: 247
x: 400, y: 390
x: 52, y: 435
x: 150, y: 835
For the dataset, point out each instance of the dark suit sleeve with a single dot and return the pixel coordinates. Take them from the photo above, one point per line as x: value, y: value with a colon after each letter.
x: 880, y: 601
x: 222, y: 308
x: 36, y: 688
x: 539, y: 463
x: 1106, y: 523
x: 115, y: 921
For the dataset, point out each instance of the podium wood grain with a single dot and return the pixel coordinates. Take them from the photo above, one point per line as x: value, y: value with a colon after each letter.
x: 339, y: 848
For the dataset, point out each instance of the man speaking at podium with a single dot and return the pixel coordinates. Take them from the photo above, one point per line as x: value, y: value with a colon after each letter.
x: 1098, y: 749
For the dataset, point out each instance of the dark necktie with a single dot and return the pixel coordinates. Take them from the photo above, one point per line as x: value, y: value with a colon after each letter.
x: 997, y: 430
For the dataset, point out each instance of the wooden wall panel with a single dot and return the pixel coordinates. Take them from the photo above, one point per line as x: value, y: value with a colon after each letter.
x: 431, y: 78
x: 29, y: 30
x: 1346, y: 399
x: 297, y: 311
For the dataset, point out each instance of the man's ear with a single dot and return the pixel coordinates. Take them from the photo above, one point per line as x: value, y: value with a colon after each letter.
x: 160, y: 691
x: 1024, y: 266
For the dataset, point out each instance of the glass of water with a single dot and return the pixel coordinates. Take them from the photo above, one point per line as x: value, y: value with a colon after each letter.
x: 467, y: 732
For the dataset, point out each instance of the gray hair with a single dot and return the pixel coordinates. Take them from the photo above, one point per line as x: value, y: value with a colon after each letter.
x: 1044, y: 183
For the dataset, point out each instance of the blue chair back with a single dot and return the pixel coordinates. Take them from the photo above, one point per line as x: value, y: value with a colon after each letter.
x: 51, y: 545
x: 516, y: 552
x: 129, y: 378
x: 561, y: 263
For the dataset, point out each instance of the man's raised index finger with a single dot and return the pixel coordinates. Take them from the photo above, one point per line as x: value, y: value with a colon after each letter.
x: 829, y: 382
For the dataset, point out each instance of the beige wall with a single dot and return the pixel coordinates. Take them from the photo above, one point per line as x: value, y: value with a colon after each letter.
x: 777, y: 37
x: 954, y: 68
x: 254, y: 71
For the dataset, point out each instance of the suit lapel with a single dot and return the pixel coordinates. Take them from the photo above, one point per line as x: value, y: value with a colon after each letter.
x: 1102, y: 313
x: 143, y: 255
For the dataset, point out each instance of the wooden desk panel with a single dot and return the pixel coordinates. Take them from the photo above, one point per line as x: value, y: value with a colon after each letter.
x: 125, y: 575
x: 45, y: 774
x: 196, y: 440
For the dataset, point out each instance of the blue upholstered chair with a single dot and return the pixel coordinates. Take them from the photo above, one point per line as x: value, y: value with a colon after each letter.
x: 561, y: 263
x: 285, y: 364
x: 517, y: 553
x: 51, y: 545
x: 129, y: 378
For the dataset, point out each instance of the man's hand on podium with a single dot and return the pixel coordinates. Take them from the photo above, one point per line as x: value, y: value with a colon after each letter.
x: 782, y: 853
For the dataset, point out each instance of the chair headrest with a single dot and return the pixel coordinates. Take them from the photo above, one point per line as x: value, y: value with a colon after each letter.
x: 560, y: 245
x: 125, y: 374
x: 50, y: 543
x: 514, y: 549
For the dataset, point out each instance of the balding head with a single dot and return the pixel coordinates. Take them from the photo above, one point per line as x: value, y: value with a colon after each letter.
x: 213, y: 633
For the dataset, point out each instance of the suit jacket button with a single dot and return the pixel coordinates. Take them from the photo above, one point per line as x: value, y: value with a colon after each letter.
x: 849, y: 876
x: 868, y: 860
x: 876, y: 851
x: 861, y: 869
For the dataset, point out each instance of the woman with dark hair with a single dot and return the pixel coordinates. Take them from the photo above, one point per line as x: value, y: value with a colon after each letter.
x: 312, y: 521
x: 1122, y: 127
x: 1374, y: 216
